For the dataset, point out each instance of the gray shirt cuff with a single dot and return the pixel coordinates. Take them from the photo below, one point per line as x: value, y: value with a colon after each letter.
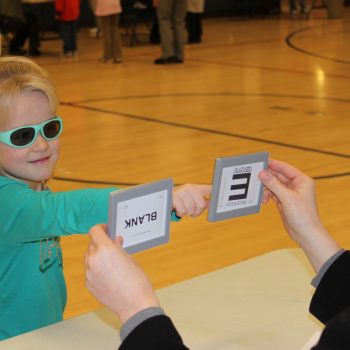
x: 137, y: 319
x: 317, y: 279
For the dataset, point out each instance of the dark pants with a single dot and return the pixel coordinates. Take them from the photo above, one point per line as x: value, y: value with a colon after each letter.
x: 154, y: 36
x: 194, y: 27
x: 293, y: 5
x: 30, y: 29
x: 68, y: 32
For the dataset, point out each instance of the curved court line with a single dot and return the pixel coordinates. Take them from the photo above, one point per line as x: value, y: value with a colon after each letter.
x: 288, y: 41
x: 119, y: 183
x: 99, y: 182
x: 212, y: 131
x: 209, y: 94
x: 122, y: 184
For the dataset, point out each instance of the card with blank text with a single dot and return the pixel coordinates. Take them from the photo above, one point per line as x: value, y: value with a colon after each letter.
x: 141, y: 215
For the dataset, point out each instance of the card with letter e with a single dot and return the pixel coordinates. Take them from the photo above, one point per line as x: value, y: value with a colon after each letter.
x: 237, y: 190
x: 141, y: 215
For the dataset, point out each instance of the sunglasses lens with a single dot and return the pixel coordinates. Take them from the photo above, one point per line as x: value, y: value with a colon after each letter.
x: 52, y: 129
x: 22, y: 137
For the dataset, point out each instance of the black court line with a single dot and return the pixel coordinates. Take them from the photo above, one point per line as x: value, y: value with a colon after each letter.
x: 99, y: 182
x: 331, y: 176
x: 211, y: 131
x: 214, y: 94
x: 289, y: 42
x: 265, y: 68
x: 95, y: 182
x: 125, y: 184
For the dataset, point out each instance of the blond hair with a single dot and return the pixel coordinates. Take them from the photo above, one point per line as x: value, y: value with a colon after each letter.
x: 20, y: 74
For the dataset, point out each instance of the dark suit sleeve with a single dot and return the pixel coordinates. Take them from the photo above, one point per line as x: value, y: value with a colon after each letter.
x: 332, y: 296
x: 336, y: 335
x: 156, y: 333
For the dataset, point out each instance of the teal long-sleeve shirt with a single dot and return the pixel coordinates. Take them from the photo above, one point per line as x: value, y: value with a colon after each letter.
x: 32, y: 286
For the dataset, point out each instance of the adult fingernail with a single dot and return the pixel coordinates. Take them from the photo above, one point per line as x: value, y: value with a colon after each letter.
x: 265, y: 175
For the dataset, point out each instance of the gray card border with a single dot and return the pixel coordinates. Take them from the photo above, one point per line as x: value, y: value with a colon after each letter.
x: 139, y: 191
x: 225, y: 162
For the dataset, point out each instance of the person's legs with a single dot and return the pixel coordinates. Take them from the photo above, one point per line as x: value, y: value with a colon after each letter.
x: 17, y: 42
x: 179, y: 15
x: 154, y: 37
x: 197, y: 27
x: 106, y: 38
x: 190, y: 25
x: 74, y: 36
x: 115, y: 39
x: 293, y: 5
x: 65, y: 36
x: 33, y: 27
x: 303, y: 6
x: 164, y: 13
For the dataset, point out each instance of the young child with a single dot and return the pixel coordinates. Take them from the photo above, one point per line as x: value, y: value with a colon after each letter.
x: 32, y: 218
x: 67, y: 13
x: 108, y: 12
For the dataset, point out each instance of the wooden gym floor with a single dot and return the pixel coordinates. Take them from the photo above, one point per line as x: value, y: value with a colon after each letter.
x: 263, y: 84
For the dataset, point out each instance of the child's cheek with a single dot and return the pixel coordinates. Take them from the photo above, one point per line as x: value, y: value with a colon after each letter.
x: 8, y: 155
x: 56, y: 149
x: 12, y: 160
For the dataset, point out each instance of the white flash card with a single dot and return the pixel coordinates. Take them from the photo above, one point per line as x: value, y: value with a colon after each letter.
x: 141, y: 215
x: 237, y: 190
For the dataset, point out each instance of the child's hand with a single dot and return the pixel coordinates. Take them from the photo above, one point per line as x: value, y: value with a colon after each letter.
x: 191, y: 199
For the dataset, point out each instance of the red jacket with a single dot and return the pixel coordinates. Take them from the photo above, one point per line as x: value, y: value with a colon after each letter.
x: 67, y: 10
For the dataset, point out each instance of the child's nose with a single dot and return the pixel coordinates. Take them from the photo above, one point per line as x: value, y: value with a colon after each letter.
x: 40, y: 143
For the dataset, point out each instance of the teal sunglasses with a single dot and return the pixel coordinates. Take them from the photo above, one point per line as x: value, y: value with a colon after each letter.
x: 25, y: 136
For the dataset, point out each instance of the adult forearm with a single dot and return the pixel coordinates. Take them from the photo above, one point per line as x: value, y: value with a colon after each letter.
x: 318, y: 246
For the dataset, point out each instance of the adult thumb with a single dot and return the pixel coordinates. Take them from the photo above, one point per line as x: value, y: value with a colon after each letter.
x: 271, y: 182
